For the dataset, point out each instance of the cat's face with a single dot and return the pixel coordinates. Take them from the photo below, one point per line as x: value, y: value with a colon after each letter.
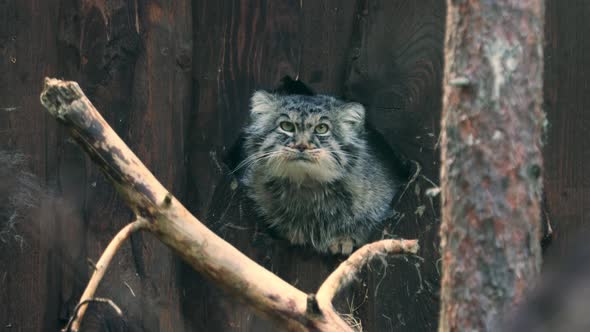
x: 303, y: 137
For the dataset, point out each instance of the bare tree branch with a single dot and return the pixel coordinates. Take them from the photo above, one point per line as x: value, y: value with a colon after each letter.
x: 171, y: 223
x: 347, y: 271
x: 101, y: 268
x: 76, y: 316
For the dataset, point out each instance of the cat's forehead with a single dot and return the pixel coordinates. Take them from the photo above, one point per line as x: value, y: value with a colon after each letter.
x: 308, y: 104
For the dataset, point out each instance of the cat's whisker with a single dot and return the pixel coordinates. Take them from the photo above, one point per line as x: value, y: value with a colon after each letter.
x: 253, y: 159
x: 246, y: 162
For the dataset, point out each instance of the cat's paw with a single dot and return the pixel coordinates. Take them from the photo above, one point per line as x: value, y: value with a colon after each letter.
x: 342, y: 246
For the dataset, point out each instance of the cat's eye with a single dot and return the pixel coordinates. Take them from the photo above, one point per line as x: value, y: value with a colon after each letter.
x: 321, y: 128
x: 287, y: 126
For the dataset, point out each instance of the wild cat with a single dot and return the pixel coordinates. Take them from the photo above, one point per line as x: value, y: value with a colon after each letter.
x: 312, y: 172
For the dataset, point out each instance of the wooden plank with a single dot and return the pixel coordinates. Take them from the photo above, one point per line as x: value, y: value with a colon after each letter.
x: 338, y: 47
x: 27, y: 54
x: 567, y: 98
x: 285, y: 39
x: 119, y: 51
x: 396, y: 68
x: 240, y: 47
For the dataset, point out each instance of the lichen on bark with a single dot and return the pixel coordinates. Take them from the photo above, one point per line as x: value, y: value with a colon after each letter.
x: 491, y: 159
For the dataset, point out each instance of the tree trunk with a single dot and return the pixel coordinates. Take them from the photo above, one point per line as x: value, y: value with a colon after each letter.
x: 491, y: 159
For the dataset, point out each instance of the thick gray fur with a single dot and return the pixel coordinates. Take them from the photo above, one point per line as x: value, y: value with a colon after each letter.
x: 328, y: 191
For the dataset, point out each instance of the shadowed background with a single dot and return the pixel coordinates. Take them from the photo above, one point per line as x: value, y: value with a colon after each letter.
x: 173, y: 78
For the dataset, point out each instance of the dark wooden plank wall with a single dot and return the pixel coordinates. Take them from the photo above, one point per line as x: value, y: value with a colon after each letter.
x: 567, y: 100
x: 173, y: 78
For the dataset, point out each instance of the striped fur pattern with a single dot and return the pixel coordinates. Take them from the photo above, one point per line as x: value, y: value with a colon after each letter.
x: 311, y: 172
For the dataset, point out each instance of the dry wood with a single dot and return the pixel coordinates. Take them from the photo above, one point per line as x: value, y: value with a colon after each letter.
x: 101, y: 268
x: 346, y: 272
x: 78, y: 315
x: 170, y: 222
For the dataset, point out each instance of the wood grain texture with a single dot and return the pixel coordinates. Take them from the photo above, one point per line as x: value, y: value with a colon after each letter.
x: 210, y: 56
x: 396, y: 69
x: 240, y: 47
x: 567, y: 98
x: 325, y: 52
x: 29, y: 276
x: 119, y: 54
x: 121, y: 51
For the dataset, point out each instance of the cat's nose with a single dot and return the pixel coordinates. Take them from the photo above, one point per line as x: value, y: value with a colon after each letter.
x: 301, y: 147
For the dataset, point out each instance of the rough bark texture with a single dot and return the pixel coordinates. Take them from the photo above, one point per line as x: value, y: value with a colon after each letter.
x: 491, y: 152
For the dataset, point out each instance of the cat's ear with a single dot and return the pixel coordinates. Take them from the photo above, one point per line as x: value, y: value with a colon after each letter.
x: 262, y: 102
x: 353, y: 114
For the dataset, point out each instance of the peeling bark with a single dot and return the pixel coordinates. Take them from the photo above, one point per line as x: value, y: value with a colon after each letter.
x: 491, y: 159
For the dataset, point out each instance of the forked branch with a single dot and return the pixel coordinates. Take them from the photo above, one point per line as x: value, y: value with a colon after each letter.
x: 100, y: 270
x: 347, y: 271
x: 167, y: 219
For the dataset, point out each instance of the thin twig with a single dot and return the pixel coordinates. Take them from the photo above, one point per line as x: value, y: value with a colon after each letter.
x: 130, y: 289
x: 101, y: 268
x: 348, y: 270
x: 410, y: 181
x: 84, y: 303
x: 91, y: 263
